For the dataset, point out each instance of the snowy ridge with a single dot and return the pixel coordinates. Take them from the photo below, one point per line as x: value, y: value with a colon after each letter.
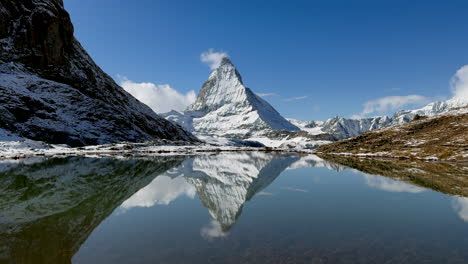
x: 340, y: 127
x: 432, y: 109
x: 313, y: 127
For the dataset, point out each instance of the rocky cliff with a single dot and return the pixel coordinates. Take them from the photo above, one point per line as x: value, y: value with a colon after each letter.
x: 51, y: 90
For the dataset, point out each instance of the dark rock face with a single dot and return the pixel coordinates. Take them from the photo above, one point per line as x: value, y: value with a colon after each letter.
x: 51, y: 89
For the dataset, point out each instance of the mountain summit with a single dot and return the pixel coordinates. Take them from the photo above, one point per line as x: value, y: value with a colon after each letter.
x: 225, y: 107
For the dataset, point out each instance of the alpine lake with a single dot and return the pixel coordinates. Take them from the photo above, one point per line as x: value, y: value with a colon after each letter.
x: 239, y: 207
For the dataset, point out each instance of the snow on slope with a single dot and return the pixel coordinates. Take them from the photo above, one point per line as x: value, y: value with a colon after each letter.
x: 340, y: 127
x: 313, y: 127
x: 431, y: 109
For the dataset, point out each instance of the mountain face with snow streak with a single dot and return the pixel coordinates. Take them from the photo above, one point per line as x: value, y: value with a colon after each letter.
x: 340, y: 127
x: 51, y: 90
x: 225, y: 107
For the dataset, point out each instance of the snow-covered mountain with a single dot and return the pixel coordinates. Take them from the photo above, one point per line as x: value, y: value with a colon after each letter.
x: 340, y: 128
x: 225, y: 107
x: 51, y: 90
x: 431, y: 109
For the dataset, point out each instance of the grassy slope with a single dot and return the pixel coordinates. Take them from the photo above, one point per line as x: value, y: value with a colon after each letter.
x: 444, y: 137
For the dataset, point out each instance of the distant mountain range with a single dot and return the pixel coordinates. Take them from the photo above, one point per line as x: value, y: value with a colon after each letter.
x: 340, y: 128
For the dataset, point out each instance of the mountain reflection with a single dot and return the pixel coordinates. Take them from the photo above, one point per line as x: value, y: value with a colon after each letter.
x: 223, y: 182
x: 49, y: 207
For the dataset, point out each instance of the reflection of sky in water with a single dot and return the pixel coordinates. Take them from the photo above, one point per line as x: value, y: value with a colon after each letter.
x: 238, y: 207
x: 213, y: 230
x: 460, y: 205
x: 313, y: 205
x: 390, y: 185
x: 162, y: 190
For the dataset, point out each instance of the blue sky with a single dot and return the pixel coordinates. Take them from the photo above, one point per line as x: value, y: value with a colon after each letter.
x: 332, y: 56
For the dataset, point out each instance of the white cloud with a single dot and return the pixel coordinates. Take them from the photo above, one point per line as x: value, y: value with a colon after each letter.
x: 391, y: 103
x: 162, y: 190
x: 266, y: 94
x: 458, y: 86
x: 390, y: 185
x: 296, y: 98
x: 460, y: 204
x: 160, y: 98
x: 459, y: 83
x: 213, y: 58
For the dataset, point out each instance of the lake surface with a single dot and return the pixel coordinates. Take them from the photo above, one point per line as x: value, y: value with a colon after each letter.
x: 230, y: 208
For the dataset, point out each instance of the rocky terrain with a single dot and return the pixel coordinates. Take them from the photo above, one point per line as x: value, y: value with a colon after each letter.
x: 53, y: 91
x: 439, y: 137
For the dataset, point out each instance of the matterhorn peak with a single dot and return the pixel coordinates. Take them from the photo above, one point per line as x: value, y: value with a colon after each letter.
x: 226, y: 61
x: 225, y: 107
x: 224, y: 86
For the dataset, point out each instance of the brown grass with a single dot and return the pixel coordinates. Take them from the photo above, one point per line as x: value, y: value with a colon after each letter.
x: 449, y: 178
x: 444, y: 137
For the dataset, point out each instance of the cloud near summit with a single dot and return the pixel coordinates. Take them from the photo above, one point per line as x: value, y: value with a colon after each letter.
x: 213, y: 58
x: 161, y: 98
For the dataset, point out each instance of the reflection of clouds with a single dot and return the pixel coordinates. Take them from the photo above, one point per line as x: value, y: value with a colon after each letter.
x: 162, y: 190
x: 460, y: 205
x: 294, y: 189
x: 311, y: 161
x: 390, y: 185
x: 213, y: 230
